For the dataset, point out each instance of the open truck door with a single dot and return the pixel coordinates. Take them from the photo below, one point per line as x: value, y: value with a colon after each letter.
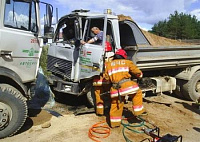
x: 91, y: 56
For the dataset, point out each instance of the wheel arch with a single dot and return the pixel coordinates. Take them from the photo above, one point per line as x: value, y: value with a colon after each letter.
x: 10, y: 77
x: 188, y: 73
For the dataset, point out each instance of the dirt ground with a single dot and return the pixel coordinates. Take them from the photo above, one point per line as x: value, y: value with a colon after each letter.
x: 60, y: 124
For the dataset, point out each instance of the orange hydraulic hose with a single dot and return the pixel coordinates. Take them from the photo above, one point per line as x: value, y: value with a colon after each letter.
x: 98, y: 131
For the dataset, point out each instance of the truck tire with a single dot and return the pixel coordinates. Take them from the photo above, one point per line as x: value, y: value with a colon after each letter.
x: 91, y: 97
x: 13, y: 110
x: 191, y: 89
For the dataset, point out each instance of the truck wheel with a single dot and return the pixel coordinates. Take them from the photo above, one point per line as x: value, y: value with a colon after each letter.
x: 13, y: 110
x: 191, y: 89
x: 91, y: 97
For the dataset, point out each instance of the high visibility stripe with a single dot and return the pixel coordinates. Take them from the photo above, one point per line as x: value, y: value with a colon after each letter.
x: 100, y: 81
x: 125, y: 91
x: 138, y: 108
x: 115, y: 119
x: 117, y: 70
x: 99, y: 106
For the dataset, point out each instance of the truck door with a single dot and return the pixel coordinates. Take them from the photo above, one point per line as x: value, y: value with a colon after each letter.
x: 19, y: 46
x: 91, y: 55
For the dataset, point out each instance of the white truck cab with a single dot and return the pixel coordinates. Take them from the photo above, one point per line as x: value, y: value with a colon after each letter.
x: 20, y: 50
x: 73, y: 65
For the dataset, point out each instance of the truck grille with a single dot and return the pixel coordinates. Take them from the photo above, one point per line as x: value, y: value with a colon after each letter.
x: 59, y: 66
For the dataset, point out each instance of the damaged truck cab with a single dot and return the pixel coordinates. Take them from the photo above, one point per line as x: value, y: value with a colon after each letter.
x: 73, y: 65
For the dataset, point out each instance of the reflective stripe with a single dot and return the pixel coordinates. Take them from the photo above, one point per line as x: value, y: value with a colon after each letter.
x: 99, y: 106
x: 138, y: 108
x: 99, y: 82
x: 117, y: 70
x: 126, y: 91
x: 115, y: 118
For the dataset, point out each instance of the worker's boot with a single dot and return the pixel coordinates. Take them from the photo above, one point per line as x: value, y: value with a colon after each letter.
x: 140, y: 113
x: 100, y: 109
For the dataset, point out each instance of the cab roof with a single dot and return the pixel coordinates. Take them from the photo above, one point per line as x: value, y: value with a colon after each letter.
x: 87, y: 13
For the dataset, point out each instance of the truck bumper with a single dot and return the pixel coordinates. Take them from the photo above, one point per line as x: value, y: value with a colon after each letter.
x: 64, y: 86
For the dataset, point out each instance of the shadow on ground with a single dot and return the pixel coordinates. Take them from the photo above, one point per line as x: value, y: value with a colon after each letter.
x: 35, y: 117
x: 193, y: 107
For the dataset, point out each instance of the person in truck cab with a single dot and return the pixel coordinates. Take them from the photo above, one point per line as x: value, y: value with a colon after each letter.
x: 101, y: 85
x: 118, y: 72
x: 97, y: 38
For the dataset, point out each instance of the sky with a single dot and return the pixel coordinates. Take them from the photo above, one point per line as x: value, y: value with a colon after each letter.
x: 145, y: 13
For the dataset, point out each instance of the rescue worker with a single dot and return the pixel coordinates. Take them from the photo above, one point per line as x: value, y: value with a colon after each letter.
x: 97, y: 38
x: 101, y: 85
x: 118, y: 72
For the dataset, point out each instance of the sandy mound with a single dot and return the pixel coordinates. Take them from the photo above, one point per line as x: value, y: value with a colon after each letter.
x: 154, y: 39
x: 162, y: 41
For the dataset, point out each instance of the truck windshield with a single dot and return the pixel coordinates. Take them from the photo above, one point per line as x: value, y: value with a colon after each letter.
x: 20, y: 15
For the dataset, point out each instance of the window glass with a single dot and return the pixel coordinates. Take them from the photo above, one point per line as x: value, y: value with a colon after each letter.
x: 17, y: 15
x: 109, y: 34
x: 66, y: 30
x: 33, y: 18
x: 97, y: 23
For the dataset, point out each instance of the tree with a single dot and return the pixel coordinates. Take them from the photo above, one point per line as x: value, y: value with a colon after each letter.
x: 178, y: 26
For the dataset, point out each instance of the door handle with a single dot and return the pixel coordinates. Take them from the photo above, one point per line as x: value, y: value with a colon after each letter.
x: 7, y: 54
x: 4, y: 52
x: 95, y: 65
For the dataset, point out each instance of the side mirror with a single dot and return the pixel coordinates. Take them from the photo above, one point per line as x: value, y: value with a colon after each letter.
x: 49, y: 15
x: 48, y: 31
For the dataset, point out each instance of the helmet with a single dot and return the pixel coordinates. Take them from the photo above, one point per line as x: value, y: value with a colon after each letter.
x: 108, y: 46
x: 121, y: 52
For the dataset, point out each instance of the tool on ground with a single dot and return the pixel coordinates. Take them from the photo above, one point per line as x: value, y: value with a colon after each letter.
x: 53, y: 112
x: 98, y: 131
x: 83, y: 111
x: 155, y: 134
x: 145, y: 128
x: 132, y: 127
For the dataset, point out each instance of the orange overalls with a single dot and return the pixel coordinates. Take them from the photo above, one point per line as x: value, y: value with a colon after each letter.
x: 117, y: 71
x: 100, y: 86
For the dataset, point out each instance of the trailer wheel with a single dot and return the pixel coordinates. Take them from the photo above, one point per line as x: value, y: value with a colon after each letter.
x: 191, y: 89
x: 91, y: 97
x: 13, y: 110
